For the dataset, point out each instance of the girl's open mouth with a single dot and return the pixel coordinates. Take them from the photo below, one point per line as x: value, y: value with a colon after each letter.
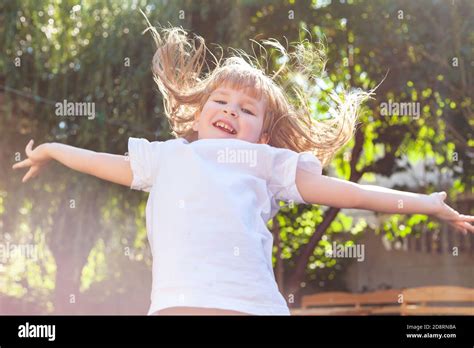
x: 224, y: 127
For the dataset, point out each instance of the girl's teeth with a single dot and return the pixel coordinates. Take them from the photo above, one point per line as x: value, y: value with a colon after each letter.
x: 223, y: 125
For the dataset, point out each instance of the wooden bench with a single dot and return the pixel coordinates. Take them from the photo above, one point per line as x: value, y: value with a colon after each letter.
x: 438, y: 300
x: 431, y: 300
x: 345, y: 303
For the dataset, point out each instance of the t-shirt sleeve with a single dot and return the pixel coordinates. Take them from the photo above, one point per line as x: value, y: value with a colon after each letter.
x: 144, y: 160
x: 284, y: 164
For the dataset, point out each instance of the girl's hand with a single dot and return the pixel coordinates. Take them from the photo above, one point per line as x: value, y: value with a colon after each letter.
x: 36, y: 160
x: 445, y: 212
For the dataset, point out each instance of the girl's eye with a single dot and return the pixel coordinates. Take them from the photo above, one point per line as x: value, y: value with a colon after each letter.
x: 244, y: 110
x: 248, y: 112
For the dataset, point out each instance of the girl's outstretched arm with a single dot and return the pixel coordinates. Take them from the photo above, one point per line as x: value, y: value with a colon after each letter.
x: 114, y: 168
x: 320, y: 189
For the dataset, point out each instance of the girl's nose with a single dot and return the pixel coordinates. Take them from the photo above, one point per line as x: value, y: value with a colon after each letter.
x: 230, y: 111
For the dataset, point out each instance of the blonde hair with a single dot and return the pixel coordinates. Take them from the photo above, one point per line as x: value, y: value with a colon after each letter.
x: 178, y: 71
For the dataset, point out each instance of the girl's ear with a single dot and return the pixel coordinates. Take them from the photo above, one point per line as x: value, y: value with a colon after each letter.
x: 264, y: 139
x: 196, y: 122
x: 195, y: 125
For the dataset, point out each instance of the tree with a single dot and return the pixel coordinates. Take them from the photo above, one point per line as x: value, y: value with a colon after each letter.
x: 95, y: 52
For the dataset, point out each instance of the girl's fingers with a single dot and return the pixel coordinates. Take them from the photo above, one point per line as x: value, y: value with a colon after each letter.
x: 31, y: 173
x: 29, y: 147
x: 466, y: 218
x: 464, y: 227
x: 458, y: 226
x: 469, y: 227
x: 22, y: 164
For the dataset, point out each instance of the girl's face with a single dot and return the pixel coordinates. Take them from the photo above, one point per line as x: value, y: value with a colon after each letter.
x: 230, y: 113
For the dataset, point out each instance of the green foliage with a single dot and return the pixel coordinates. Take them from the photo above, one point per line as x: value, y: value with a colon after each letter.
x: 78, y: 51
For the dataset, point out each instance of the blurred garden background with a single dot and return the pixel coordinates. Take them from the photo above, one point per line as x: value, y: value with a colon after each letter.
x: 90, y: 253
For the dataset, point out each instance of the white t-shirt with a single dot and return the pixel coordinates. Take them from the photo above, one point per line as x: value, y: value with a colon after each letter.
x: 206, y: 219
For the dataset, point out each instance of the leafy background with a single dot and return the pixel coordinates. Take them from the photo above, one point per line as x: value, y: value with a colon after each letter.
x: 91, y: 234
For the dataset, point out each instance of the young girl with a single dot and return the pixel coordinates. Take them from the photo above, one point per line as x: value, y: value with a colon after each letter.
x: 240, y: 147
